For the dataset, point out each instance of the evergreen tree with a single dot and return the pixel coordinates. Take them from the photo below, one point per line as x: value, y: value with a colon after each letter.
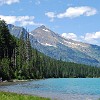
x: 28, y: 49
x: 7, y: 44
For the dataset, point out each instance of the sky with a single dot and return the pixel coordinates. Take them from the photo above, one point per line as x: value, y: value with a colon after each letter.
x: 75, y: 19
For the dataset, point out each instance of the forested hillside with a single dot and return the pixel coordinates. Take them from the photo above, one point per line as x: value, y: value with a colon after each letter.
x: 19, y: 61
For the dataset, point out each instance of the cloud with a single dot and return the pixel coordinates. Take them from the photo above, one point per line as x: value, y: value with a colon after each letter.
x: 51, y: 15
x: 73, y: 12
x: 8, y: 2
x: 21, y: 20
x: 93, y: 38
x: 70, y: 36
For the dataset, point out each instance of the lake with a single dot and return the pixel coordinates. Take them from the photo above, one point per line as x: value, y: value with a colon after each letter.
x: 59, y: 88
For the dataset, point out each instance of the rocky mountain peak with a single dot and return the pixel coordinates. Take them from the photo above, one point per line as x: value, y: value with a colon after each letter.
x: 42, y: 29
x: 10, y: 26
x: 45, y: 36
x: 43, y: 26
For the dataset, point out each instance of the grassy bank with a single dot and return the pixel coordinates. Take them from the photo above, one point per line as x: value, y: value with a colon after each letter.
x: 14, y: 96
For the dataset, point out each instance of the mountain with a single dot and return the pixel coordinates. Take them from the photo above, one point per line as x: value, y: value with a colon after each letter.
x: 55, y: 46
x: 16, y: 30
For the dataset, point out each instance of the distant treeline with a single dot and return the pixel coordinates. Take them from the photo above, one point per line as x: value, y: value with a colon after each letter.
x: 19, y: 61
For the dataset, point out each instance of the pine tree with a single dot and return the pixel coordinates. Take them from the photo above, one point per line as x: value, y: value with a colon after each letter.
x: 22, y: 50
x: 7, y: 43
x: 28, y: 50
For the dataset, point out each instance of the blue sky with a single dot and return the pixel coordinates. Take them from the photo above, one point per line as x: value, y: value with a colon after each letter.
x: 75, y: 19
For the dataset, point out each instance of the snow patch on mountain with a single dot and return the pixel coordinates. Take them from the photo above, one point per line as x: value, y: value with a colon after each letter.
x: 45, y: 30
x: 61, y: 42
x: 73, y: 44
x: 47, y: 44
x: 31, y: 34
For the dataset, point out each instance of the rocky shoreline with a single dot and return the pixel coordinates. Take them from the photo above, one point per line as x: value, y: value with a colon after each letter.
x: 10, y: 82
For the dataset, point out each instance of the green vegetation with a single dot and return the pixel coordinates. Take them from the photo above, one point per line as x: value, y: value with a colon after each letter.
x: 19, y: 61
x: 14, y: 96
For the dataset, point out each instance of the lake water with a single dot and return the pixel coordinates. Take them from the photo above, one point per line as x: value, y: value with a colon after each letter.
x: 60, y: 88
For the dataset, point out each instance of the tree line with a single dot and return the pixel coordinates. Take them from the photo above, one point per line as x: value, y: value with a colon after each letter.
x: 19, y: 61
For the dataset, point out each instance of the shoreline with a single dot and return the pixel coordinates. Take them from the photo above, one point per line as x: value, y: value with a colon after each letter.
x: 16, y: 81
x: 5, y: 83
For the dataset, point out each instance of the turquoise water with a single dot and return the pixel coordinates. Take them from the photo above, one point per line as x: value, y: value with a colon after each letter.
x: 60, y: 88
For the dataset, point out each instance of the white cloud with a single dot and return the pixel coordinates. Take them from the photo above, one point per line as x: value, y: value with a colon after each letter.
x: 70, y: 36
x: 73, y: 12
x: 95, y: 35
x: 21, y: 20
x: 93, y: 38
x: 51, y: 15
x: 8, y: 2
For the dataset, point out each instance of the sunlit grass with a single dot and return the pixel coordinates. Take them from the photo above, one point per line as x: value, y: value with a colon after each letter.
x: 14, y: 96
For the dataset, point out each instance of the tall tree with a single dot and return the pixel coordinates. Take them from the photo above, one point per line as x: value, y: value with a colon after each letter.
x: 7, y: 43
x: 28, y: 50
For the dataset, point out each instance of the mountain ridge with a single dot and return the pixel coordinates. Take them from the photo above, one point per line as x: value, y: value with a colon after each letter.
x: 55, y: 46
